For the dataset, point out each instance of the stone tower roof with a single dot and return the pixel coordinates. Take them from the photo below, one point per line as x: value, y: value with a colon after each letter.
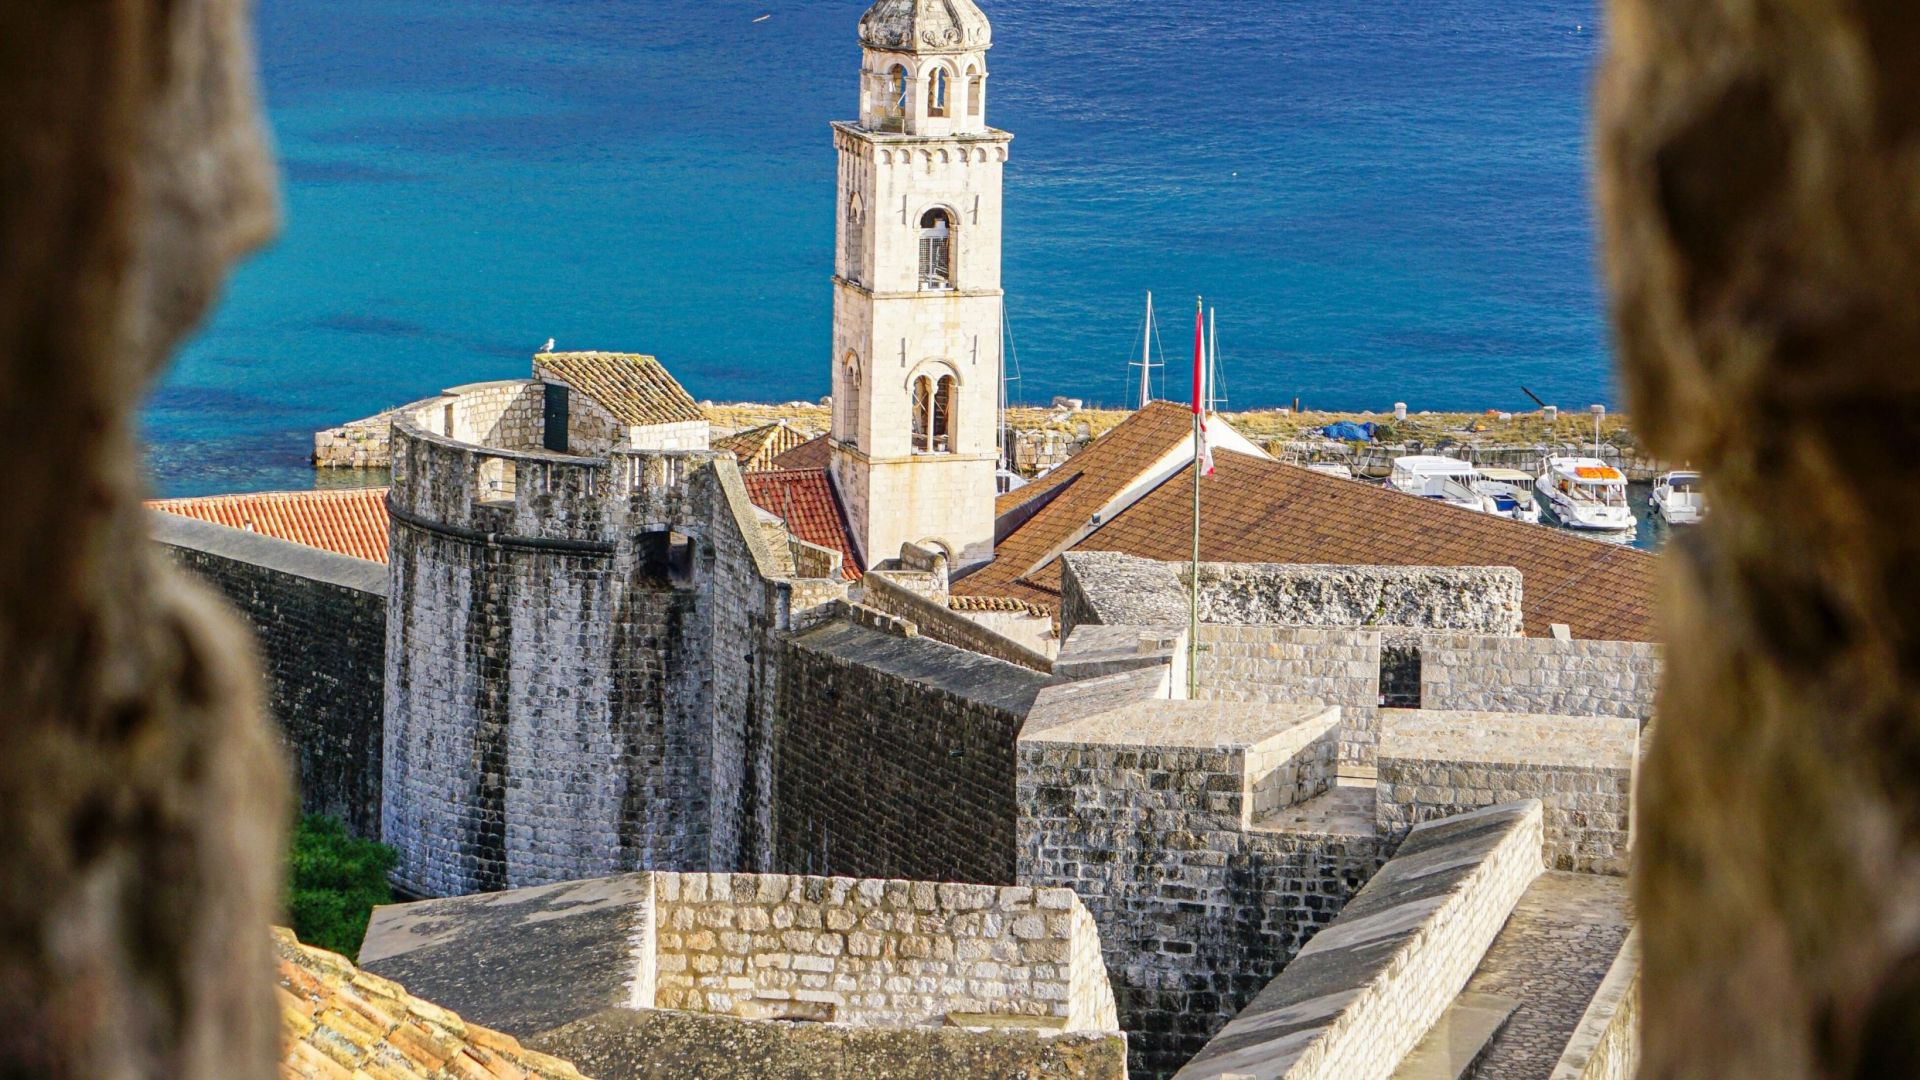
x: 925, y: 26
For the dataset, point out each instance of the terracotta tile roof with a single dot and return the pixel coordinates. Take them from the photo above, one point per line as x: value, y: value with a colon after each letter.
x: 1267, y: 512
x: 1084, y: 483
x: 760, y: 448
x: 340, y: 1023
x: 806, y: 501
x: 346, y: 522
x: 814, y: 454
x: 637, y: 390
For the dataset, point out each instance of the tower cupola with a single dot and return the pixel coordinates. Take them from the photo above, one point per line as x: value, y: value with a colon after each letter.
x: 926, y: 67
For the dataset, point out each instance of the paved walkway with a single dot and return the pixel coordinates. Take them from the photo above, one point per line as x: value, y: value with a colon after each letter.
x: 1551, y: 957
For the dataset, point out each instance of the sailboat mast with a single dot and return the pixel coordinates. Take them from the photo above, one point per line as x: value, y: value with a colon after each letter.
x: 1213, y: 356
x: 1146, y: 356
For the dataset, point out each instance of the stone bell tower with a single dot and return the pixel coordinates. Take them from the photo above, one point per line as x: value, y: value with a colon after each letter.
x: 916, y: 303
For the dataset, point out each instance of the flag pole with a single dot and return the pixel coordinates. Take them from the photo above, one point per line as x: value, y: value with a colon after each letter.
x: 1193, y: 582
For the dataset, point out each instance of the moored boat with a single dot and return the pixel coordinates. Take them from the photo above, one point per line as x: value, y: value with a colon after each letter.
x: 1678, y: 498
x: 1512, y: 493
x: 1442, y: 479
x: 1586, y: 493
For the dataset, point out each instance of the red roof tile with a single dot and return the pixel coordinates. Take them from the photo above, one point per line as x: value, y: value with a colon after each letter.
x: 760, y: 448
x: 346, y: 522
x: 806, y: 501
x: 1257, y: 511
x: 813, y: 454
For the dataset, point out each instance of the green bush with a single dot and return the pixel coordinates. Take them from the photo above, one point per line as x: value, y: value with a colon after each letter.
x: 335, y: 881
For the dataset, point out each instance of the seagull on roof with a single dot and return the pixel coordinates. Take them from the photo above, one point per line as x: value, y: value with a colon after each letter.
x: 548, y: 347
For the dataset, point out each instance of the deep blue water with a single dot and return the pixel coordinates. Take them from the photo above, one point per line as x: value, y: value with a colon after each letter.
x: 1387, y: 200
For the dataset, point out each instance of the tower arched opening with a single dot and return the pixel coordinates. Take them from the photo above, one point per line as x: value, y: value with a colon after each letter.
x: 936, y: 249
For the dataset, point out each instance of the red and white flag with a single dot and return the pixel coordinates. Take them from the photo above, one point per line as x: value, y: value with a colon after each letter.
x: 1202, y: 453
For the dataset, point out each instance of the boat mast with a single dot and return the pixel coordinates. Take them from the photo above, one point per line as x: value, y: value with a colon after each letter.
x: 1146, y: 356
x: 1213, y: 357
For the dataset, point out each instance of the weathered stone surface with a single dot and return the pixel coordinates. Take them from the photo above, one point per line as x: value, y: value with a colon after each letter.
x: 321, y: 623
x: 1758, y: 170
x: 141, y: 796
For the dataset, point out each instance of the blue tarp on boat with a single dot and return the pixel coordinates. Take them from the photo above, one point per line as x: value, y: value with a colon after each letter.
x: 1348, y: 431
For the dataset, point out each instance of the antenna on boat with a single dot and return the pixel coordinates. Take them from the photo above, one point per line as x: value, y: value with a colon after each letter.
x: 1214, y: 397
x: 1598, y: 412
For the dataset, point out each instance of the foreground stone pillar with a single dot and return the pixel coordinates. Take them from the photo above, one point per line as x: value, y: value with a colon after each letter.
x: 1760, y: 177
x: 141, y: 797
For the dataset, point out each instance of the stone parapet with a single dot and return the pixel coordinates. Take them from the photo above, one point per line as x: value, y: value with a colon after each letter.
x: 1606, y: 1045
x: 1539, y: 675
x: 1434, y: 765
x: 1288, y: 665
x: 1365, y: 990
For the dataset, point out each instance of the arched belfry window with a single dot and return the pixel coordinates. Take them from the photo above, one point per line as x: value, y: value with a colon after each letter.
x: 856, y: 234
x: 976, y: 91
x: 936, y: 250
x: 850, y: 390
x: 923, y: 415
x: 939, y: 88
x: 934, y: 402
x: 894, y: 100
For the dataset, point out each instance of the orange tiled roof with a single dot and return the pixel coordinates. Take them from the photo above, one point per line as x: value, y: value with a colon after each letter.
x: 340, y: 1023
x: 806, y: 501
x: 1084, y: 483
x: 1257, y: 511
x: 760, y: 448
x: 345, y: 522
x: 814, y: 454
x: 637, y: 390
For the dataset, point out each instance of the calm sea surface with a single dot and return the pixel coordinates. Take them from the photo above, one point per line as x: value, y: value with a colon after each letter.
x: 1387, y: 199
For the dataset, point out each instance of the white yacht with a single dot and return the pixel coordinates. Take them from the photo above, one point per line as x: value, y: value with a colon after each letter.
x: 1586, y: 493
x: 1442, y: 479
x: 1678, y: 498
x: 1512, y: 493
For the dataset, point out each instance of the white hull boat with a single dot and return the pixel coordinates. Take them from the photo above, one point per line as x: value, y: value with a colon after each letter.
x: 1441, y: 479
x: 1512, y: 493
x: 1587, y: 494
x: 1678, y: 498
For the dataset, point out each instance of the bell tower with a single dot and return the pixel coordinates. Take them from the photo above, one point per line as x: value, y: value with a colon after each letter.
x: 916, y: 303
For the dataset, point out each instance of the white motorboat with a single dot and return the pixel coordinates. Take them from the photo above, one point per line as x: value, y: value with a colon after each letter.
x: 1442, y: 479
x: 1331, y: 468
x: 1678, y: 498
x: 1586, y: 493
x: 1512, y: 493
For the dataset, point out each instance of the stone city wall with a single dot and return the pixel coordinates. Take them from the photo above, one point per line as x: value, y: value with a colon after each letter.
x: 1366, y: 989
x: 628, y: 1044
x: 895, y: 755
x: 1434, y: 765
x: 940, y: 623
x: 1539, y: 675
x: 1475, y: 599
x: 362, y: 444
x: 580, y: 675
x: 1283, y: 665
x: 686, y: 435
x: 1149, y: 815
x: 1107, y: 588
x: 877, y: 953
x: 320, y: 620
x: 1606, y: 1045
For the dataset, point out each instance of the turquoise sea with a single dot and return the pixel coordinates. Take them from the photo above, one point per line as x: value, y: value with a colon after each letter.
x: 1386, y: 199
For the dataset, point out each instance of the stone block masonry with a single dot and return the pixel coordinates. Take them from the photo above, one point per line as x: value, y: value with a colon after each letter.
x: 895, y: 757
x: 1286, y: 665
x: 1361, y: 995
x: 1153, y: 813
x: 1539, y: 675
x: 320, y: 621
x: 1437, y: 764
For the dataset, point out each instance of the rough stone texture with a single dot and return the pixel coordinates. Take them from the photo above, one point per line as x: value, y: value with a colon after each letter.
x: 936, y: 621
x: 141, y: 796
x: 630, y: 1044
x: 1474, y: 599
x: 1147, y: 813
x: 1551, y: 957
x: 895, y: 757
x: 1606, y: 1044
x: 1365, y: 989
x: 579, y: 662
x: 1757, y: 175
x: 321, y: 623
x: 1107, y: 588
x: 1286, y: 665
x: 1539, y: 675
x: 1434, y: 765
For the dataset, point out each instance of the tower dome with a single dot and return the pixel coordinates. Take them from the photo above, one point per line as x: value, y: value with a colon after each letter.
x: 925, y: 26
